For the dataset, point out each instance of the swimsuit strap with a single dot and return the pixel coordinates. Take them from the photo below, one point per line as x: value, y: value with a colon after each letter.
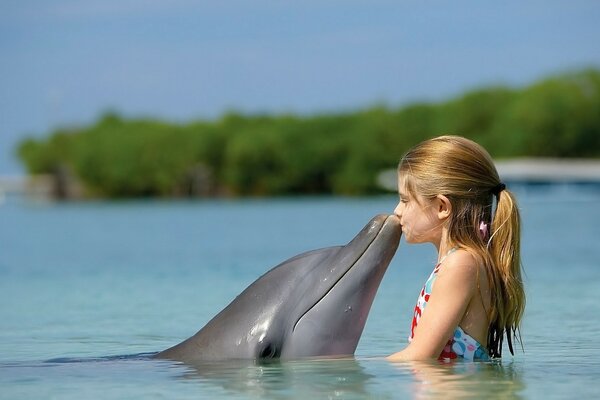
x: 452, y: 250
x: 437, y: 266
x: 425, y: 293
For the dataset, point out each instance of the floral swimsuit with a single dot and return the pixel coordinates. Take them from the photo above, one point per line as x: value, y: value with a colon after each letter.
x: 461, y: 344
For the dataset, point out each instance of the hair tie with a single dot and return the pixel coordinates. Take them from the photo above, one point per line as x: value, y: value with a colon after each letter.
x: 498, y: 188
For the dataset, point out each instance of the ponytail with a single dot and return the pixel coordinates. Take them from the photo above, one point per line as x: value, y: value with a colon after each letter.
x: 508, y: 294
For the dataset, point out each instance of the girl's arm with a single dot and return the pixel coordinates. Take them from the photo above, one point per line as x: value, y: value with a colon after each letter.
x: 452, y: 291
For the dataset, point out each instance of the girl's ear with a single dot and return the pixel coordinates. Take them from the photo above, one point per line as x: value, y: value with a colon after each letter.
x: 444, y: 207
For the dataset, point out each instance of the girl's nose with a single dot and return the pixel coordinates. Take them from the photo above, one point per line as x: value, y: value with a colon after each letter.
x: 398, y: 209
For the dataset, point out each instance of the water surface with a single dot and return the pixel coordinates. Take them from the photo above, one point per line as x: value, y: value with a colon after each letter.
x: 83, y: 284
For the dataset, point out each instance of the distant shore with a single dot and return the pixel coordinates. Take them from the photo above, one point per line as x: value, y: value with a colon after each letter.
x: 549, y: 170
x: 38, y: 186
x: 521, y: 170
x: 263, y: 155
x: 530, y: 170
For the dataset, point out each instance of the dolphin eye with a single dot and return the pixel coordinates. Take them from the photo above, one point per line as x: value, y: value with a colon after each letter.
x: 269, y: 351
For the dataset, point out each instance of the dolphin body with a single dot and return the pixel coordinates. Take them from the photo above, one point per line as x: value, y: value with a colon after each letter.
x: 312, y: 305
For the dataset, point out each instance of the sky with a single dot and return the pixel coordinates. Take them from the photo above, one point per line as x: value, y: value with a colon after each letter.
x: 65, y: 62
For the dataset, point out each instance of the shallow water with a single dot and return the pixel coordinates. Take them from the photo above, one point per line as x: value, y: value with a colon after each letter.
x: 83, y: 283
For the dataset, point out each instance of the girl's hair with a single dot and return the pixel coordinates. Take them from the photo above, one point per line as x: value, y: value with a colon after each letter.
x: 464, y: 172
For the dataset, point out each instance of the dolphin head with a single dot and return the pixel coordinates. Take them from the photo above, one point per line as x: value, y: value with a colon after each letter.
x: 330, y: 315
x: 314, y: 304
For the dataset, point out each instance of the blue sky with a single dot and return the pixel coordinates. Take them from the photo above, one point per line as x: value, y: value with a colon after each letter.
x: 64, y: 62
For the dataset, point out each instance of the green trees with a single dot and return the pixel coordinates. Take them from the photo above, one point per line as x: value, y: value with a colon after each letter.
x: 333, y: 154
x: 558, y: 117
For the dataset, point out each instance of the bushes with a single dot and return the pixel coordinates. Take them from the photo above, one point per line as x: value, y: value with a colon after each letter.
x: 559, y: 117
x: 333, y: 154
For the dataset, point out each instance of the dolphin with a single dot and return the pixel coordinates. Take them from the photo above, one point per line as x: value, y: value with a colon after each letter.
x: 313, y: 305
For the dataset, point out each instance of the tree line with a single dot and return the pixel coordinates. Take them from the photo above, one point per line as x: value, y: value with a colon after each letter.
x: 339, y: 153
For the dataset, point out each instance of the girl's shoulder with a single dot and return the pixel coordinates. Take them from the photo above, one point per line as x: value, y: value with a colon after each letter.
x: 461, y: 266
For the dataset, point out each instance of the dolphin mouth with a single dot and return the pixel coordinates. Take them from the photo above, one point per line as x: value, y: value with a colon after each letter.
x: 367, y: 247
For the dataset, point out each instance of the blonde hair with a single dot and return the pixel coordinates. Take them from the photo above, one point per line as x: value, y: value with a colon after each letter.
x: 464, y: 172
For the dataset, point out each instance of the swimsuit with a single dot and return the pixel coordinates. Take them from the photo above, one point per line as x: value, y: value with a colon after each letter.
x: 461, y: 344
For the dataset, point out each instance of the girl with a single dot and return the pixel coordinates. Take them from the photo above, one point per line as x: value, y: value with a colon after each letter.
x: 474, y: 296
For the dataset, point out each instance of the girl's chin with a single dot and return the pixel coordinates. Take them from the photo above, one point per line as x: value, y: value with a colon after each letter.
x: 411, y: 240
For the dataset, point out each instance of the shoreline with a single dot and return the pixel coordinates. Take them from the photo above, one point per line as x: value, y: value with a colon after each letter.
x: 518, y: 170
x: 550, y: 170
x: 530, y: 171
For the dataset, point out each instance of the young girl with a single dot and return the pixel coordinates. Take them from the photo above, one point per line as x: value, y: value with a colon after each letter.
x: 474, y: 297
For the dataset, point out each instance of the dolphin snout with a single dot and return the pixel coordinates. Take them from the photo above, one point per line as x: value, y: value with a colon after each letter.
x: 393, y: 218
x: 392, y: 221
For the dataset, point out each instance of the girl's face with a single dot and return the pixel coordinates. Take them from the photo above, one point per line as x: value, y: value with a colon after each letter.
x: 419, y: 219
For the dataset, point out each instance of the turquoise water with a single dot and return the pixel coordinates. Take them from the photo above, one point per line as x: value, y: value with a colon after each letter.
x: 83, y: 283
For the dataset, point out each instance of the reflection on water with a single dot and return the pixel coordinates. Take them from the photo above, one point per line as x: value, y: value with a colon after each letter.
x: 358, y: 378
x: 327, y: 378
x: 345, y: 378
x: 465, y: 380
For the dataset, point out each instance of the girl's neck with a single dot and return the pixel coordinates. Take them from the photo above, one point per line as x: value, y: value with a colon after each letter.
x: 444, y: 245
